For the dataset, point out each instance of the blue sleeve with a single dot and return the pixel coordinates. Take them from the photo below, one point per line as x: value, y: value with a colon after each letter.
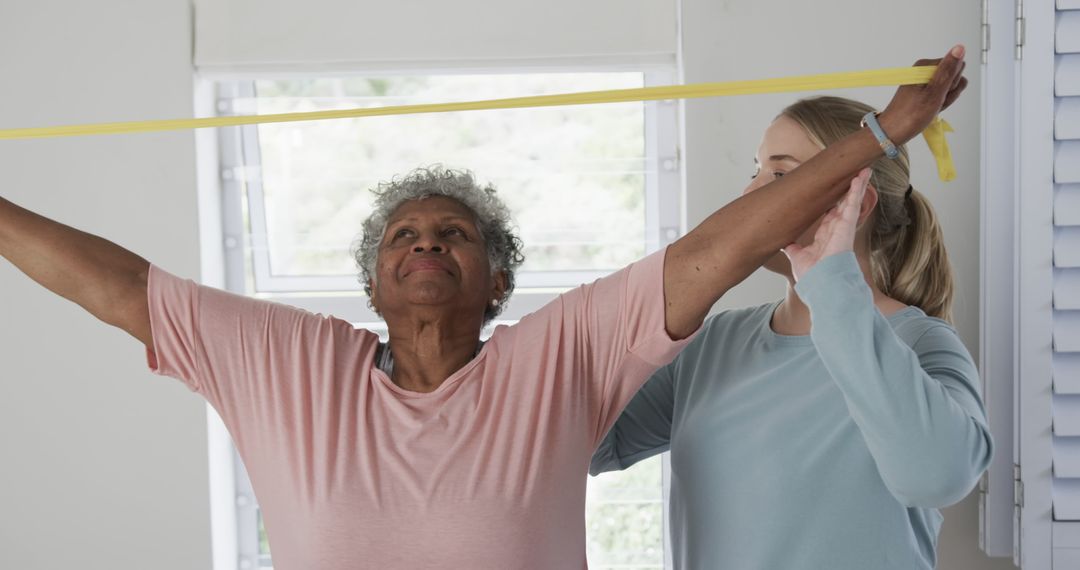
x: 918, y: 407
x: 643, y: 429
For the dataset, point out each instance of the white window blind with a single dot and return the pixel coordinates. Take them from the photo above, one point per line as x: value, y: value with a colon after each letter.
x: 1066, y: 280
x: 326, y: 35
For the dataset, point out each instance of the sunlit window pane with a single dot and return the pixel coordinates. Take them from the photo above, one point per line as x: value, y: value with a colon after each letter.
x: 624, y: 518
x: 573, y: 176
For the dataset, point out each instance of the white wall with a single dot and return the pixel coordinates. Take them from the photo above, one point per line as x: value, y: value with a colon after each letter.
x: 102, y: 465
x: 746, y: 39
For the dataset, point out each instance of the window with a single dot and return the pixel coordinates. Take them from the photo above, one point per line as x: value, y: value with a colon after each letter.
x: 592, y: 188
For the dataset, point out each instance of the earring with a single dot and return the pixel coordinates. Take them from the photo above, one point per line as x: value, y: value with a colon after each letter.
x: 494, y: 302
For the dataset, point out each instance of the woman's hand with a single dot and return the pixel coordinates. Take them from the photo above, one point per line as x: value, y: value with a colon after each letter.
x: 836, y: 233
x: 914, y: 106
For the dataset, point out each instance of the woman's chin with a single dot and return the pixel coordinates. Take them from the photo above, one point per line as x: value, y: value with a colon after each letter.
x: 432, y: 292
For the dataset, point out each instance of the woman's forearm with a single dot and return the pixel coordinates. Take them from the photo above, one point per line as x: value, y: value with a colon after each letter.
x: 102, y: 277
x: 917, y: 407
x: 736, y: 239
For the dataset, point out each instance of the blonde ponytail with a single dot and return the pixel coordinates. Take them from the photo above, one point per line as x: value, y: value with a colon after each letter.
x: 909, y: 261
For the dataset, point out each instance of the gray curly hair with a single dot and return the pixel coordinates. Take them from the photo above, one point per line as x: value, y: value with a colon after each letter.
x: 504, y: 248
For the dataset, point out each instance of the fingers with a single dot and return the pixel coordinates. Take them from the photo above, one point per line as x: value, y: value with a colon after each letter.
x: 853, y: 200
x: 847, y: 211
x: 959, y: 75
x: 831, y: 217
x: 955, y: 93
x: 949, y: 69
x: 858, y: 184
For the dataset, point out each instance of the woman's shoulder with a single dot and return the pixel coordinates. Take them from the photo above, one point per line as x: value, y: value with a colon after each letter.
x: 915, y: 327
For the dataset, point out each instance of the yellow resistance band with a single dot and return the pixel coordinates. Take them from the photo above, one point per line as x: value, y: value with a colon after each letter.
x: 935, y: 134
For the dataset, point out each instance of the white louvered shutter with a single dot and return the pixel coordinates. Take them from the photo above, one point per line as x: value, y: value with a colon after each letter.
x: 1066, y: 291
x: 1047, y: 277
x: 1065, y: 534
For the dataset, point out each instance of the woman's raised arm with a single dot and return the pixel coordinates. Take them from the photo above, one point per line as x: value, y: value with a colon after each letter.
x: 735, y: 240
x: 102, y: 277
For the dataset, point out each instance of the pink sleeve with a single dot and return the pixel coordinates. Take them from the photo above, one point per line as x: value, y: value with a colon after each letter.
x: 251, y: 359
x: 612, y: 336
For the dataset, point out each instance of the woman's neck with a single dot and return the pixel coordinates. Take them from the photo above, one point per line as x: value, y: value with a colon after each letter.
x: 426, y: 353
x: 792, y: 316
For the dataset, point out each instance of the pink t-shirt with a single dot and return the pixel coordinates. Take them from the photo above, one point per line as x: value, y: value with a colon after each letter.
x: 351, y: 471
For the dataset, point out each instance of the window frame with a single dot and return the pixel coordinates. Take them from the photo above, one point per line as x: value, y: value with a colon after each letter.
x: 661, y: 185
x: 222, y: 181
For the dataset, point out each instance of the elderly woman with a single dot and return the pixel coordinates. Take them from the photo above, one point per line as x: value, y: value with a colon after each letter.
x: 434, y: 451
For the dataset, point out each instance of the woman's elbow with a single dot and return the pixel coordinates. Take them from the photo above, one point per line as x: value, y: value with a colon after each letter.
x: 948, y: 481
x: 935, y: 493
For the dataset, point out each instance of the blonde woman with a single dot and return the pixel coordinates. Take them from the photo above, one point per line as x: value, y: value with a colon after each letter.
x: 823, y: 430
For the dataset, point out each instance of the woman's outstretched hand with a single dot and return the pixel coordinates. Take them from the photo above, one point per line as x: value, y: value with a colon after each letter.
x: 914, y: 106
x: 835, y: 234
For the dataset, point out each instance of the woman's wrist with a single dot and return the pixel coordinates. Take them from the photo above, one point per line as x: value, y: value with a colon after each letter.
x: 834, y: 284
x: 895, y: 128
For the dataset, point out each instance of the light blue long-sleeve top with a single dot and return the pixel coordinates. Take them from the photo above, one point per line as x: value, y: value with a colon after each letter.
x: 829, y: 451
